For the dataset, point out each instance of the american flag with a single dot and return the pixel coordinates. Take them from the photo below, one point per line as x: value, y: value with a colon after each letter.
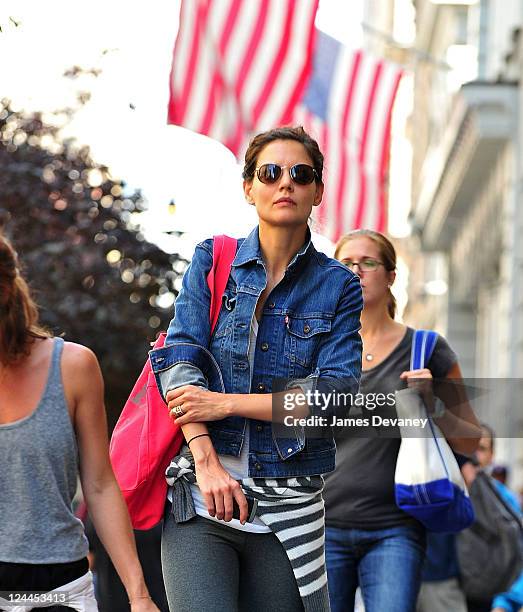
x: 240, y: 66
x: 347, y: 107
x: 243, y: 66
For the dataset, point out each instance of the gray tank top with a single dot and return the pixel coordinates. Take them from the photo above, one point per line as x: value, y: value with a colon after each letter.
x: 38, y: 479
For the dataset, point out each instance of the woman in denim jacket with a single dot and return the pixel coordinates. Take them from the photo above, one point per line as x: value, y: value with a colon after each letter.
x: 289, y: 313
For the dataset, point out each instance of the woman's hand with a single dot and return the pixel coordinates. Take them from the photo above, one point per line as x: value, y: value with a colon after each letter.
x: 217, y: 486
x: 198, y: 404
x: 412, y: 376
x: 422, y: 380
x: 458, y: 422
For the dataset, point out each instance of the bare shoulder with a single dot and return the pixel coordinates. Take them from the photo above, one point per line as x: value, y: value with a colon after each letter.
x: 79, y: 355
x: 80, y: 363
x: 82, y: 380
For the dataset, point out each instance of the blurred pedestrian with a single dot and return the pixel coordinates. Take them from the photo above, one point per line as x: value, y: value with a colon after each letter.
x: 512, y: 599
x: 370, y: 542
x: 440, y: 589
x: 500, y: 473
x: 288, y: 312
x: 485, y: 458
x: 52, y: 428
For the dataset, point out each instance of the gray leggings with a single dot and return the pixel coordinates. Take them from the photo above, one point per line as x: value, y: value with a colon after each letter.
x: 215, y: 568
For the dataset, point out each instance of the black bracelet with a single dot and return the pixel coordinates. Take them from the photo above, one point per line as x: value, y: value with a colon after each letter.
x: 198, y: 436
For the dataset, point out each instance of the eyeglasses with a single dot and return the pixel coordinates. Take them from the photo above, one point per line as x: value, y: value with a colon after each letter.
x: 365, y: 265
x: 302, y: 174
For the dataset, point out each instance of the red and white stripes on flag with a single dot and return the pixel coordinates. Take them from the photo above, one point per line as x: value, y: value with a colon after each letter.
x: 347, y: 107
x: 244, y: 66
x: 240, y: 66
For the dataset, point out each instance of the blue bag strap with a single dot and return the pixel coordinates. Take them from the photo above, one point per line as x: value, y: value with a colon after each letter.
x: 423, y: 344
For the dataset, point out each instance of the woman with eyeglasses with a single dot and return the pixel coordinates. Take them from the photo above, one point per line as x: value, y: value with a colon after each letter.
x: 53, y: 430
x: 288, y: 313
x: 370, y: 542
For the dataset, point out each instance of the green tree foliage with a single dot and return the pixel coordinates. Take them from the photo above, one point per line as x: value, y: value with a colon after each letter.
x: 95, y: 277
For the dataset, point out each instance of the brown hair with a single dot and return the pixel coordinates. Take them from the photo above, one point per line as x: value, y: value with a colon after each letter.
x: 282, y: 133
x: 18, y: 311
x: 387, y: 255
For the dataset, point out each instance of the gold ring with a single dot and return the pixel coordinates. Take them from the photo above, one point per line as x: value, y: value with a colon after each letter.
x: 178, y: 411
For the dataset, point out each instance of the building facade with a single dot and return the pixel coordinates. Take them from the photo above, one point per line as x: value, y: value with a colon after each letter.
x: 466, y: 247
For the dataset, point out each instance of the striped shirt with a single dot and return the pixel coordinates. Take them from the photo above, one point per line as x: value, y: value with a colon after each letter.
x: 293, y: 508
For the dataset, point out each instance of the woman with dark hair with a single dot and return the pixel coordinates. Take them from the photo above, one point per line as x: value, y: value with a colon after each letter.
x: 370, y: 542
x: 288, y: 312
x: 52, y: 428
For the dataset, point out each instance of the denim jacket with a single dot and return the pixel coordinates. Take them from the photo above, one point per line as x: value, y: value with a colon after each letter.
x: 308, y: 332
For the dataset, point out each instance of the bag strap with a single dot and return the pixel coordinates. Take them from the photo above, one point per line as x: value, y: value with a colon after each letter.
x: 423, y: 344
x: 508, y: 508
x: 223, y: 254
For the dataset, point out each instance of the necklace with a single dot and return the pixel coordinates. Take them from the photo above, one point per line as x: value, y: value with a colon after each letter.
x: 369, y: 355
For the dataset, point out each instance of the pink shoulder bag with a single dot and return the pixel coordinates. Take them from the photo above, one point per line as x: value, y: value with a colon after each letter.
x: 145, y: 438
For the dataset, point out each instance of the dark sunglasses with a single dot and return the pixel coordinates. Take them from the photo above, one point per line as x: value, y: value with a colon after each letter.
x: 302, y: 174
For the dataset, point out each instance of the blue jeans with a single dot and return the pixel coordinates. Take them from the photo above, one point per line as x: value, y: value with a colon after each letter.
x: 385, y: 563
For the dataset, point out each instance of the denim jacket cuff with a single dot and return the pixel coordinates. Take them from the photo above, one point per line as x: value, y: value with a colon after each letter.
x: 185, y: 363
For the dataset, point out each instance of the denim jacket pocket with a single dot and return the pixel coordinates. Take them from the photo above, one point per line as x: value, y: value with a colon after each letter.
x: 303, y: 334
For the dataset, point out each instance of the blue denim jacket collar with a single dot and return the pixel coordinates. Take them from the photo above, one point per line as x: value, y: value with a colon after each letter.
x: 250, y: 250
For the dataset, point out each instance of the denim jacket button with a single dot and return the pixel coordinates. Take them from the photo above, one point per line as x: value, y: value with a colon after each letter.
x: 265, y: 346
x: 259, y: 427
x: 306, y: 329
x: 272, y: 305
x: 289, y: 451
x: 261, y: 387
x: 258, y: 466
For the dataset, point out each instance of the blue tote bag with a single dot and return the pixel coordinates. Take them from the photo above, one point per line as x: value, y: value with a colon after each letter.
x: 428, y: 482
